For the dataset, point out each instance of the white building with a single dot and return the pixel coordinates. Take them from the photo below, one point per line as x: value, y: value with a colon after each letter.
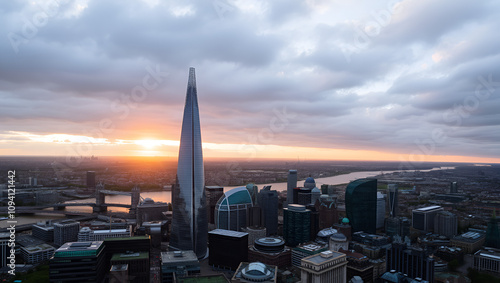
x: 88, y: 235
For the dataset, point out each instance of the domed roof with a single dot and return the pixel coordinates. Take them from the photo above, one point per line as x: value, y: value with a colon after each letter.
x: 345, y: 220
x: 309, y: 180
x: 316, y: 190
x: 338, y: 237
x: 256, y: 271
x: 238, y: 195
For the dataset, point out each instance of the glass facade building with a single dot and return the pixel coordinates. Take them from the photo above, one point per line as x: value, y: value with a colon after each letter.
x: 361, y: 205
x: 231, y: 209
x: 189, y: 216
x: 268, y: 201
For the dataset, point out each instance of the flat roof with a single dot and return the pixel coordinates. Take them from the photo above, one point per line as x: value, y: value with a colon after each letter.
x: 170, y: 257
x: 130, y: 256
x: 127, y: 238
x: 323, y: 257
x: 229, y: 233
x: 38, y: 248
x: 428, y: 208
x: 110, y: 231
x: 490, y: 256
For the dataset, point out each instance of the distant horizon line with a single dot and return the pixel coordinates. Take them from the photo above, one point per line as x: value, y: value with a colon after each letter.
x: 253, y: 159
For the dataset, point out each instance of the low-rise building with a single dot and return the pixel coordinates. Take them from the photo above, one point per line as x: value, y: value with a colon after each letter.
x: 255, y: 272
x: 469, y: 242
x: 487, y: 260
x: 37, y: 253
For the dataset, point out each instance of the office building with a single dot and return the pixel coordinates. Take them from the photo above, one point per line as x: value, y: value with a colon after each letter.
x: 4, y: 248
x: 296, y: 224
x: 88, y: 235
x: 271, y: 251
x: 358, y: 265
x: 78, y: 262
x: 304, y: 196
x: 326, y: 267
x: 128, y: 244
x: 361, y: 205
x: 268, y: 202
x: 91, y: 179
x: 305, y: 250
x: 445, y: 223
x: 253, y: 190
x: 393, y: 199
x: 189, y: 216
x: 291, y: 185
x: 423, y: 218
x: 453, y: 188
x: 231, y: 209
x: 227, y: 248
x: 314, y: 223
x: 338, y: 241
x: 213, y: 193
x: 138, y: 265
x: 43, y: 230
x: 470, y: 242
x: 487, y: 260
x: 119, y: 273
x: 177, y: 264
x: 412, y: 261
x: 255, y: 272
x: 254, y: 233
x: 380, y: 210
x: 327, y: 209
x: 397, y: 226
x: 315, y: 195
x: 37, y: 253
x: 255, y: 217
x: 150, y: 210
x: 493, y: 233
x: 66, y: 231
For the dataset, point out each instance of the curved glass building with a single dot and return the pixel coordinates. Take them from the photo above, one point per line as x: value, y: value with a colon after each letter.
x: 361, y: 205
x: 189, y: 216
x: 231, y: 209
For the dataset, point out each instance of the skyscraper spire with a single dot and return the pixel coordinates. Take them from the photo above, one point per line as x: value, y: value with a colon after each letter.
x: 189, y: 217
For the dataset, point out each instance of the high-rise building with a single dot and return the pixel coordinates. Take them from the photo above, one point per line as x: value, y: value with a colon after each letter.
x: 43, y: 230
x: 91, y: 179
x: 231, y: 209
x: 423, y: 218
x: 397, y: 226
x: 453, y: 188
x: 380, y: 210
x: 78, y: 262
x: 361, y: 205
x: 213, y: 195
x: 327, y: 209
x: 189, y: 216
x: 410, y: 260
x: 268, y: 201
x: 296, y: 224
x: 253, y: 190
x: 445, y: 223
x: 227, y: 248
x: 66, y: 231
x: 492, y: 232
x: 328, y: 266
x: 393, y: 200
x: 292, y: 184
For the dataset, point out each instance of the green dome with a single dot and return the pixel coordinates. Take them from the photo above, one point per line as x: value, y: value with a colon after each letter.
x: 345, y: 220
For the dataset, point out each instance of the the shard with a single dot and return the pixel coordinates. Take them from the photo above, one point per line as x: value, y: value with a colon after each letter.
x: 189, y: 218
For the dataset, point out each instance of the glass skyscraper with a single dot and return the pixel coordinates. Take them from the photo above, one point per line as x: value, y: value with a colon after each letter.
x: 189, y: 216
x: 361, y: 205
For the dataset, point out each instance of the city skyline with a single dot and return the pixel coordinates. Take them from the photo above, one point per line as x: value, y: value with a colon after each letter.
x: 401, y: 81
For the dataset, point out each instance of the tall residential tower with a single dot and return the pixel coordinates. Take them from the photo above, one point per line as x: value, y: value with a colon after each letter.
x: 189, y: 218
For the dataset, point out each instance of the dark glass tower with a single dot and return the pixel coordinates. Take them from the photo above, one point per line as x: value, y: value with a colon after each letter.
x: 189, y: 216
x: 361, y: 205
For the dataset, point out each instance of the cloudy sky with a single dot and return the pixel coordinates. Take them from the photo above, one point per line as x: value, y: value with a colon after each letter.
x: 402, y: 80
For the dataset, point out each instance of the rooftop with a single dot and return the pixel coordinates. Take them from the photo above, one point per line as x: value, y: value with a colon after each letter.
x: 38, y: 248
x: 130, y: 256
x: 323, y: 257
x: 72, y: 249
x: 429, y: 208
x: 182, y: 256
x: 229, y: 233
